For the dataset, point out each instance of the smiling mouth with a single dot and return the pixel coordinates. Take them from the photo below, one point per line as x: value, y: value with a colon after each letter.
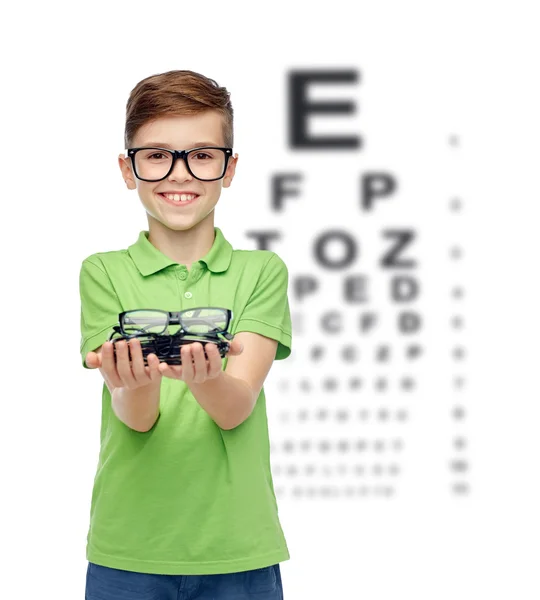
x: 179, y: 198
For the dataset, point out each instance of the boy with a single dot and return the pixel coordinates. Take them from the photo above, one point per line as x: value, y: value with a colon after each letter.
x: 183, y: 504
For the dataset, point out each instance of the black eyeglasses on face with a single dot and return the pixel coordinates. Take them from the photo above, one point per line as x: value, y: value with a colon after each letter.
x: 206, y: 163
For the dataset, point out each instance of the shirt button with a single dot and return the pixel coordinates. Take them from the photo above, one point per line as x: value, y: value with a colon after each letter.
x: 188, y: 295
x: 183, y: 275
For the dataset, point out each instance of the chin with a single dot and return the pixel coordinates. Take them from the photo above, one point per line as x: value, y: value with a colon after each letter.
x: 186, y: 226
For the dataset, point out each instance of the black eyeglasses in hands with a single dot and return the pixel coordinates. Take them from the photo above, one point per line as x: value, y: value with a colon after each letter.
x: 163, y: 333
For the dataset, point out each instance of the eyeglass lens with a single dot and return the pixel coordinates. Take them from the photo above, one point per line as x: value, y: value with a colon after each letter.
x: 195, y: 321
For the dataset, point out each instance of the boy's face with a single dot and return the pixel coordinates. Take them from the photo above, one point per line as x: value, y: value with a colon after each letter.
x: 179, y: 133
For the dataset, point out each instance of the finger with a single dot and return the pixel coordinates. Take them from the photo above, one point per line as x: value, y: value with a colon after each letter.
x: 187, y: 364
x: 199, y: 363
x: 137, y: 361
x: 92, y: 360
x: 214, y: 360
x: 171, y: 371
x: 152, y: 370
x: 122, y: 365
x: 236, y: 347
x: 108, y: 364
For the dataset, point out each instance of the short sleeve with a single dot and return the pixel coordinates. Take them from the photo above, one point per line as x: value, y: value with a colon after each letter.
x: 100, y: 307
x: 267, y: 311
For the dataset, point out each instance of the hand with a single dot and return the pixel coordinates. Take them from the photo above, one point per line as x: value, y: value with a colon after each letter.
x: 195, y: 368
x: 120, y: 372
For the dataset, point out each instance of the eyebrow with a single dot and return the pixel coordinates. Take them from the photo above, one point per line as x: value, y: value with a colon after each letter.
x: 164, y: 145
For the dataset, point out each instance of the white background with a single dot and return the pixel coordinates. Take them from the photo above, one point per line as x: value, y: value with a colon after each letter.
x: 428, y: 70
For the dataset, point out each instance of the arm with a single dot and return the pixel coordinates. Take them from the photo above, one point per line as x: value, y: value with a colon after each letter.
x: 227, y: 399
x: 230, y: 397
x: 137, y: 408
x: 134, y: 388
x: 264, y: 329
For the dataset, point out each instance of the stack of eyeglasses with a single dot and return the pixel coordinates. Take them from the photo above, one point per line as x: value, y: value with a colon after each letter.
x: 163, y: 333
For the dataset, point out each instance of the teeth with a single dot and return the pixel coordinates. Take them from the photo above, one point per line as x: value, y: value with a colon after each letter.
x: 179, y: 197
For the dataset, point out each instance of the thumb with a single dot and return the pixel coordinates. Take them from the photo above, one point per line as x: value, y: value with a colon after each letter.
x: 236, y: 347
x: 93, y: 360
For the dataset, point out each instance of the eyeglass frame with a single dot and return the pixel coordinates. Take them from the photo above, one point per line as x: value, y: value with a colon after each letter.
x: 178, y: 154
x: 173, y: 318
x: 153, y: 344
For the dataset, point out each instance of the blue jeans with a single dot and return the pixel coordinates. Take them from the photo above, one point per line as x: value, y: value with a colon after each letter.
x: 105, y: 583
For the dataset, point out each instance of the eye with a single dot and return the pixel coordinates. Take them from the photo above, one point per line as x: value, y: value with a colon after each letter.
x: 157, y: 156
x: 201, y: 155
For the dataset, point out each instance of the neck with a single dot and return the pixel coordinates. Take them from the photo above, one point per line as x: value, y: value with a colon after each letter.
x: 184, y: 246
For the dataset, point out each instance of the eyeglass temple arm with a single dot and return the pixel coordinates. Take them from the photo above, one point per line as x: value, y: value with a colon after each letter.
x: 117, y: 329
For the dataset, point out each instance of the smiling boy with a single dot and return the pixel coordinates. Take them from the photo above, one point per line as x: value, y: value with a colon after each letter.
x: 183, y: 498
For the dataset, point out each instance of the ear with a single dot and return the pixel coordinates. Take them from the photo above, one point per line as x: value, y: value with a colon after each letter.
x: 231, y: 169
x: 127, y: 172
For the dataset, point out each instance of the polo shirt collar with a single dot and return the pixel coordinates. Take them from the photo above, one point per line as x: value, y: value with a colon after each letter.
x: 148, y: 259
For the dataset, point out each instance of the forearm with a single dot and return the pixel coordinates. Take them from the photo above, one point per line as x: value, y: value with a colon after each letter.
x: 139, y: 408
x: 227, y: 399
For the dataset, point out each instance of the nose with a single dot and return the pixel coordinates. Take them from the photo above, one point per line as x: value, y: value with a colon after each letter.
x: 180, y: 172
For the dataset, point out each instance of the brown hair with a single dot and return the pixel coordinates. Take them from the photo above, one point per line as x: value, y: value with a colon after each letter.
x: 176, y: 93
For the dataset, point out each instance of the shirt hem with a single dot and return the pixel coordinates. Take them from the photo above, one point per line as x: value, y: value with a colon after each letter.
x: 219, y: 567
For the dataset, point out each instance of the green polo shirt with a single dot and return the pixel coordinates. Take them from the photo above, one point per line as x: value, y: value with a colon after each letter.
x: 186, y: 497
